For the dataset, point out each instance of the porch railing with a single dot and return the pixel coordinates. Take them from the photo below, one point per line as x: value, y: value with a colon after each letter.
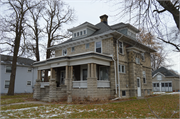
x: 44, y: 84
x: 79, y: 84
x: 102, y: 83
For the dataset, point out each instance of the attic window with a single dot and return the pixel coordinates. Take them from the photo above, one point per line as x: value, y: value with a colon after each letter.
x: 159, y: 77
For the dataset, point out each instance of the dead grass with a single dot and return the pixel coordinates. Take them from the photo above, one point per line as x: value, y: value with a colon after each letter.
x: 22, y: 95
x: 9, y: 101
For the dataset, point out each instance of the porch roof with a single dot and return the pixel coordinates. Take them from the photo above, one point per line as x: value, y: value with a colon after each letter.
x: 77, y: 59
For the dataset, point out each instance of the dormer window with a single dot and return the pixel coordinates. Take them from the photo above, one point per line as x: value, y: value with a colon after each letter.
x: 84, y: 32
x: 64, y: 52
x: 131, y: 34
x: 74, y: 34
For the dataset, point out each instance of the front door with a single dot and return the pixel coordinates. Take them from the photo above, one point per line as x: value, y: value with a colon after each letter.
x: 62, y: 76
x: 138, y: 87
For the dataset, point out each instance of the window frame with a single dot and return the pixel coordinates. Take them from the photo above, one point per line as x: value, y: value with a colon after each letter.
x: 120, y: 68
x: 121, y: 47
x: 124, y: 92
x: 144, y: 77
x: 72, y: 49
x: 86, y: 45
x: 63, y: 51
x: 6, y: 68
x: 100, y: 47
x: 5, y: 84
x: 27, y: 83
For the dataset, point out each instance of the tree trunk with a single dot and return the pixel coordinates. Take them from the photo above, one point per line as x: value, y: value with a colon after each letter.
x: 37, y: 46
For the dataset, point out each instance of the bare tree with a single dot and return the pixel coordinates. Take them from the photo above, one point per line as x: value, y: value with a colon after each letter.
x: 13, y: 28
x: 158, y: 58
x: 152, y: 14
x: 56, y: 14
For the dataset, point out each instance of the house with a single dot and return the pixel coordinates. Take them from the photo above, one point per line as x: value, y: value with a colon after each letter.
x: 25, y: 74
x: 99, y: 61
x: 165, y: 80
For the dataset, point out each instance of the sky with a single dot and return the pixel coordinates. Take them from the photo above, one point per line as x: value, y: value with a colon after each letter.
x: 90, y: 10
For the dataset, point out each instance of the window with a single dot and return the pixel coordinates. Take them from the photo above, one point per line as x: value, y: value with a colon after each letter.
x: 142, y: 56
x: 72, y: 49
x: 84, y: 32
x: 121, y: 68
x: 28, y: 83
x: 159, y: 77
x: 157, y: 84
x: 148, y: 91
x: 64, y: 52
x: 154, y: 84
x: 123, y: 93
x: 84, y: 74
x: 170, y: 85
x: 29, y: 69
x: 8, y: 69
x: 103, y: 73
x: 77, y: 34
x: 74, y: 34
x: 7, y: 84
x: 162, y: 84
x: 98, y: 47
x: 137, y: 60
x: 81, y: 33
x: 121, y: 48
x: 87, y: 45
x: 144, y: 77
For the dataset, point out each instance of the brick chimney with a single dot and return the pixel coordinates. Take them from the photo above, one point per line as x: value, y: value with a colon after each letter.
x: 104, y: 18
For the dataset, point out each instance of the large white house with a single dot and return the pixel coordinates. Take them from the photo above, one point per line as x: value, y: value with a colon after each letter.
x: 25, y: 74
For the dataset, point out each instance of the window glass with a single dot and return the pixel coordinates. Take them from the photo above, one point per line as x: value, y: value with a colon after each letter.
x: 87, y: 45
x: 144, y: 77
x: 28, y: 82
x: 142, y: 56
x: 154, y: 85
x: 64, y: 52
x: 72, y: 49
x: 137, y: 60
x: 74, y: 34
x: 98, y: 47
x: 29, y: 69
x: 8, y: 69
x: 84, y: 31
x: 162, y: 84
x: 103, y: 73
x: 77, y: 34
x: 157, y: 84
x: 121, y: 68
x: 170, y: 85
x: 166, y: 84
x: 123, y: 93
x: 159, y: 77
x: 121, y: 47
x: 7, y: 84
x: 84, y: 74
x: 81, y: 33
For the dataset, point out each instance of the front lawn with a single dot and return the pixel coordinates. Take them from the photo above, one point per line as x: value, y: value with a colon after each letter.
x: 167, y: 104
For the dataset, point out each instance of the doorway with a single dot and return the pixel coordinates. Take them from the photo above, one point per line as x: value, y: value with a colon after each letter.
x: 138, y: 87
x: 62, y: 76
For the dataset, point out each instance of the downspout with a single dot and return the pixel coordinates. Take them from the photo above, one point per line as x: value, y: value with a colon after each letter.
x: 115, y: 74
x: 118, y: 64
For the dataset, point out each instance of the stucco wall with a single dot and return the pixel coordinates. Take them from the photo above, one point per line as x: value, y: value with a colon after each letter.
x: 22, y: 76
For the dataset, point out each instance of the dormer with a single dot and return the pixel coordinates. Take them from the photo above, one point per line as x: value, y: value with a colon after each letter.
x: 126, y: 29
x: 83, y: 30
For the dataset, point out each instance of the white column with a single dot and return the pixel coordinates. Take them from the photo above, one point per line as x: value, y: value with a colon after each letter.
x: 160, y: 86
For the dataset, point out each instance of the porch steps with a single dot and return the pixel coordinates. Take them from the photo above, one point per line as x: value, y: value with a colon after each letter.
x: 45, y: 98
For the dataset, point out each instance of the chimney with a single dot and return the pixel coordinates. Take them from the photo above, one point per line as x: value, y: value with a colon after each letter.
x: 104, y: 18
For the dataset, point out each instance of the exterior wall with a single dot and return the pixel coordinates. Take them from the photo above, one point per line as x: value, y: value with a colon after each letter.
x: 22, y: 76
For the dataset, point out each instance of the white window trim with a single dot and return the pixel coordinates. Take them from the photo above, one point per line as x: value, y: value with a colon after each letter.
x: 95, y: 46
x: 122, y: 47
x: 144, y: 74
x: 6, y: 67
x: 29, y: 85
x: 86, y: 44
x: 5, y: 83
x: 120, y: 71
x: 63, y: 50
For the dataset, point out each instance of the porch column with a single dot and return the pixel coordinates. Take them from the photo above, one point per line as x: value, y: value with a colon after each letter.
x: 66, y: 76
x: 69, y: 92
x: 36, y: 94
x: 89, y: 71
x: 92, y: 82
x: 52, y: 86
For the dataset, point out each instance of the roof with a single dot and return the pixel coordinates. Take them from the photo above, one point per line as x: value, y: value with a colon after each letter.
x: 84, y: 25
x: 165, y: 72
x: 7, y: 59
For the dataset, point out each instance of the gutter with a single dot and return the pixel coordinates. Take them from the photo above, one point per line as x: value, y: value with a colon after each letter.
x: 118, y: 63
x: 115, y: 74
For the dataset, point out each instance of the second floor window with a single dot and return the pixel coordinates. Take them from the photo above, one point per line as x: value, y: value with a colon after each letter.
x: 98, y: 47
x: 142, y: 56
x: 87, y: 45
x: 64, y: 52
x: 72, y: 49
x: 144, y: 76
x: 137, y: 60
x: 8, y: 69
x: 121, y: 68
x: 74, y: 34
x: 121, y: 48
x: 84, y: 31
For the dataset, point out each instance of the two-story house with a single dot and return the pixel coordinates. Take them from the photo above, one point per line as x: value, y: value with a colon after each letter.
x: 99, y: 61
x: 25, y: 74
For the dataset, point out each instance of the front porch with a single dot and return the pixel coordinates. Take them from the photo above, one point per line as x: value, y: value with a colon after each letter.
x: 90, y: 80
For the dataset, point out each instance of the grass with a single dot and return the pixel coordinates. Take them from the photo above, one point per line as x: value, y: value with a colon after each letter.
x: 9, y: 101
x: 132, y: 109
x: 26, y: 95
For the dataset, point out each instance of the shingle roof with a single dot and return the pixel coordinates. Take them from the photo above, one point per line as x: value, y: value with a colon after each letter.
x: 165, y: 72
x: 6, y: 59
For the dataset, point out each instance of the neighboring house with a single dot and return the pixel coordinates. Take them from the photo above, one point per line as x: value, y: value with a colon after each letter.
x: 25, y: 74
x: 99, y: 61
x: 165, y: 80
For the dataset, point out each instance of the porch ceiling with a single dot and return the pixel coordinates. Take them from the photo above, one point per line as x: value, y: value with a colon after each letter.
x: 72, y: 60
